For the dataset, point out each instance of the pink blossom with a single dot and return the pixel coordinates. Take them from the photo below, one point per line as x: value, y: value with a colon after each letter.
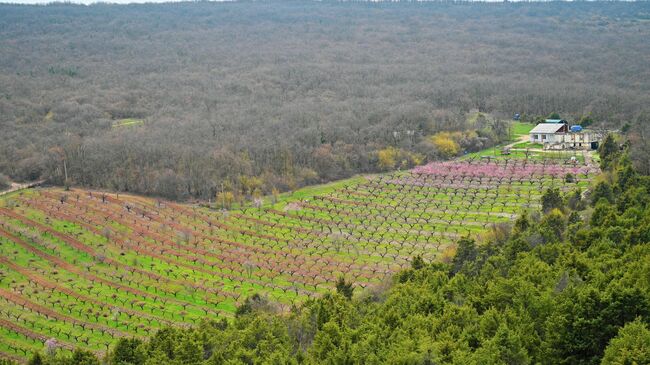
x: 455, y: 169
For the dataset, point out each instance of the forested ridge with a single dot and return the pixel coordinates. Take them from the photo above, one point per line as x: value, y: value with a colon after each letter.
x: 185, y: 100
x: 569, y: 284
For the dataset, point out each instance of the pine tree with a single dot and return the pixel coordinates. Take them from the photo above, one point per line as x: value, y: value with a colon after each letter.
x: 344, y: 288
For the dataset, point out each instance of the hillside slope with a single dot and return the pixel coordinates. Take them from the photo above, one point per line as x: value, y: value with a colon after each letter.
x: 86, y: 267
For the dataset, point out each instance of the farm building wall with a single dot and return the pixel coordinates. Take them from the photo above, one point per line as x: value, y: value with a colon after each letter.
x: 576, y: 141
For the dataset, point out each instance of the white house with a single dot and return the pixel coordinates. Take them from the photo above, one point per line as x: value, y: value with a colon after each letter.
x: 556, y: 134
x: 548, y: 132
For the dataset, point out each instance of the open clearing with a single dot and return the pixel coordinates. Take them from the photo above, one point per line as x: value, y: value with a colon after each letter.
x: 129, y: 122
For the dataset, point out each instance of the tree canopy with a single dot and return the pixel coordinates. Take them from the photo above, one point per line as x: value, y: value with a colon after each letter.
x: 191, y: 99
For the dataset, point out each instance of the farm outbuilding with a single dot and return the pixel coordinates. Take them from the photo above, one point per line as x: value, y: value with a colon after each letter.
x: 555, y: 134
x: 547, y: 132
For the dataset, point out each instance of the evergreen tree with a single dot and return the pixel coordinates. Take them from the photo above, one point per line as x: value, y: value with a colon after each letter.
x: 521, y: 224
x: 466, y: 253
x: 553, y: 225
x: 608, y: 152
x: 574, y: 218
x: 36, y: 359
x: 417, y: 263
x: 626, y: 176
x: 574, y: 200
x: 602, y: 191
x: 81, y: 357
x: 552, y: 199
x: 630, y: 346
x: 344, y: 288
x: 189, y: 351
x: 128, y: 351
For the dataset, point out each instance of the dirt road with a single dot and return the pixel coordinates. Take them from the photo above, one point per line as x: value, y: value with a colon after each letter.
x: 18, y: 186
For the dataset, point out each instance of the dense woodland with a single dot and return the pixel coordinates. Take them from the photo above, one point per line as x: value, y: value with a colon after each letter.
x: 569, y: 284
x: 189, y: 99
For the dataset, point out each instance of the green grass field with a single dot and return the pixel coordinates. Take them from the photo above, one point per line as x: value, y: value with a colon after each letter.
x: 525, y: 145
x: 129, y: 122
x: 521, y: 129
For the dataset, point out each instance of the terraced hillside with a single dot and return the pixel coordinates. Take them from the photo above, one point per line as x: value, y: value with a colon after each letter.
x: 80, y: 268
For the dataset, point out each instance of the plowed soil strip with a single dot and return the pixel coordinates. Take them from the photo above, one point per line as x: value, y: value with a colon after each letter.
x: 42, y: 281
x: 237, y: 258
x: 12, y: 357
x: 191, y: 254
x: 21, y: 301
x: 76, y: 270
x: 30, y: 334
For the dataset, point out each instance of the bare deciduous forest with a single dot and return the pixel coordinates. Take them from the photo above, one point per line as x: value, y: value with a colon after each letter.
x: 184, y: 100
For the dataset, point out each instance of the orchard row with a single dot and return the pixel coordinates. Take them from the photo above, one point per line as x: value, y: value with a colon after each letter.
x: 81, y: 268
